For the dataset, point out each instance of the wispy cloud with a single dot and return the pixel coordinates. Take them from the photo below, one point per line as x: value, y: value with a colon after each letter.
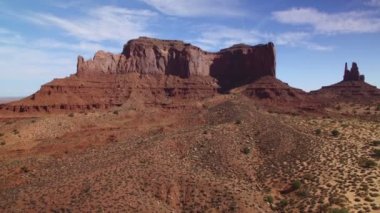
x: 38, y: 60
x: 105, y: 23
x: 214, y: 38
x: 331, y: 23
x: 193, y: 8
x: 375, y: 3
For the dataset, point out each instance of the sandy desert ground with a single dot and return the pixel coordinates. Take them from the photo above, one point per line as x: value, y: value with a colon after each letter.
x: 224, y: 154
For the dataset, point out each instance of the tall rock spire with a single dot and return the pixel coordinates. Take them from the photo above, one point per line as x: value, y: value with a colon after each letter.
x: 353, y: 74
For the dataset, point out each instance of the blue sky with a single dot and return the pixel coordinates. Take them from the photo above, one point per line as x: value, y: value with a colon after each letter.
x: 40, y: 41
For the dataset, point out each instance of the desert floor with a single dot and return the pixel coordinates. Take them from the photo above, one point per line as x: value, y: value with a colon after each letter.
x: 224, y: 154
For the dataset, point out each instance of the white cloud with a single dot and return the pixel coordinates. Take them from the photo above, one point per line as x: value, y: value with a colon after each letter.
x: 192, y: 8
x: 105, y: 23
x: 214, y: 38
x: 321, y: 22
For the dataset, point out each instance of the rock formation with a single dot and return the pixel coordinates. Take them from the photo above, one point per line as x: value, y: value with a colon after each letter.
x: 352, y: 88
x: 353, y: 74
x: 153, y: 72
x: 170, y: 57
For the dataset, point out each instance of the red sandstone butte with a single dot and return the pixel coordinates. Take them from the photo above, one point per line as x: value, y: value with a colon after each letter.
x: 153, y: 71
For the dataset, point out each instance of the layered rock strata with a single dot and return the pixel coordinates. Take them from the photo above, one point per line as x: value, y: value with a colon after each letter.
x: 155, y: 72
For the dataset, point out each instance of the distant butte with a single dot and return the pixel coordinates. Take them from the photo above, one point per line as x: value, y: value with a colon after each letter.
x: 352, y: 88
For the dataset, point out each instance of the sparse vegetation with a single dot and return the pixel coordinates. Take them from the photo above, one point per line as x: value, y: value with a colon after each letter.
x: 335, y: 133
x: 336, y: 210
x: 246, y: 150
x: 71, y: 115
x: 16, y: 132
x: 24, y: 169
x: 2, y: 142
x: 367, y: 163
x: 375, y: 143
x: 1, y: 134
x: 376, y: 153
x: 378, y: 107
x: 283, y: 203
x: 303, y: 193
x: 115, y: 112
x: 238, y: 122
x: 269, y: 199
x: 318, y: 131
x: 296, y: 184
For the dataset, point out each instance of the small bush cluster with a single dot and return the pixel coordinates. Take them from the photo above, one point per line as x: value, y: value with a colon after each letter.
x: 24, y: 169
x: 335, y: 133
x: 296, y: 184
x: 2, y: 142
x: 375, y: 143
x: 283, y: 203
x: 376, y: 153
x: 303, y: 193
x: 335, y: 210
x: 16, y: 132
x: 71, y: 115
x: 269, y: 199
x: 1, y: 134
x: 318, y: 131
x: 238, y: 122
x: 115, y: 112
x: 367, y: 163
x: 246, y: 150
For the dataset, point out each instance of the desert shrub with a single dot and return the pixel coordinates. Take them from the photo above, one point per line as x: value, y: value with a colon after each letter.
x: 268, y: 199
x: 375, y: 143
x: 335, y: 133
x: 115, y: 112
x: 1, y: 134
x: 338, y: 107
x: 367, y: 163
x: 16, y: 132
x: 33, y: 121
x: 318, y: 131
x: 283, y: 203
x: 238, y: 122
x: 376, y: 153
x: 24, y: 169
x: 336, y: 210
x: 2, y: 142
x: 246, y: 150
x: 296, y: 184
x: 71, y: 115
x: 303, y: 193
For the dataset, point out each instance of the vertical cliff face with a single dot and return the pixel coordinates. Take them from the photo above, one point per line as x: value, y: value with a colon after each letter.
x: 232, y: 66
x: 146, y: 55
x: 242, y: 64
